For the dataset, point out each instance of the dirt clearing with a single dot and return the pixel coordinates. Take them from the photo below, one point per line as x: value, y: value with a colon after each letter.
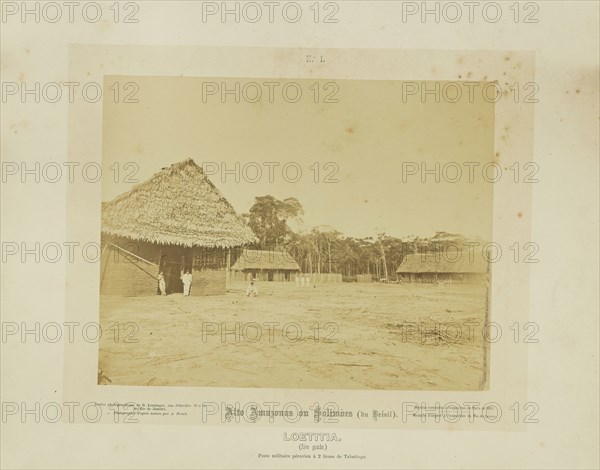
x: 339, y: 336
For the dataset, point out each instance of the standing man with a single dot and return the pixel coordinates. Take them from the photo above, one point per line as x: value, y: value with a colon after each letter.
x: 162, y: 286
x: 186, y: 278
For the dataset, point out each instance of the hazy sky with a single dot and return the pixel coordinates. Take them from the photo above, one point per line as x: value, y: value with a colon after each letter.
x: 367, y: 135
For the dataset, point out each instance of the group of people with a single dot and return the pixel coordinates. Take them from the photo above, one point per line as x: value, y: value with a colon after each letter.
x: 186, y: 279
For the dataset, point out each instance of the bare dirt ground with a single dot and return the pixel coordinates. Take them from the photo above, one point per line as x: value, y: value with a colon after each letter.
x: 344, y: 336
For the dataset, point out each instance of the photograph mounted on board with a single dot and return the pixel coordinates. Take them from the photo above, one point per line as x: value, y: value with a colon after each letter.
x: 296, y: 233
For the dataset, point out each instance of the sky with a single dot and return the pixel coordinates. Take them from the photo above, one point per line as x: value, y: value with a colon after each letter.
x: 354, y: 155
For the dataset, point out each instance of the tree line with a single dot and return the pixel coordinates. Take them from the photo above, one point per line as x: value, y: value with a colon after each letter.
x: 326, y: 250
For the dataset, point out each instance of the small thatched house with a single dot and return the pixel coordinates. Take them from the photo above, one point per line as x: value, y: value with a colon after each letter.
x: 174, y: 222
x: 452, y: 267
x: 263, y: 265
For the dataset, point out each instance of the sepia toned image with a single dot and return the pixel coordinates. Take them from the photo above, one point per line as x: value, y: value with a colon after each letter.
x: 297, y: 233
x: 282, y: 235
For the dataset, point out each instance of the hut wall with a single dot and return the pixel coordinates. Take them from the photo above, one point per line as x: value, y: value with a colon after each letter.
x: 283, y: 276
x: 209, y: 276
x: 241, y: 276
x: 208, y: 282
x: 423, y: 278
x: 237, y: 276
x: 123, y: 275
x: 265, y: 275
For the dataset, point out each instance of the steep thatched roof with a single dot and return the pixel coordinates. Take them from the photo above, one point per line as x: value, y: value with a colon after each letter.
x: 263, y: 259
x: 180, y: 206
x: 452, y: 262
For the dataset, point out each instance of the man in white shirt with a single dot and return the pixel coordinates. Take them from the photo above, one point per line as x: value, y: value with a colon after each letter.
x: 186, y: 278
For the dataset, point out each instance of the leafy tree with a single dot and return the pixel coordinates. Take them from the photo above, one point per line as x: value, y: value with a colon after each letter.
x: 268, y: 218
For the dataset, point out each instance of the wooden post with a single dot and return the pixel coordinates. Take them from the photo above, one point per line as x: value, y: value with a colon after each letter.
x: 227, y: 276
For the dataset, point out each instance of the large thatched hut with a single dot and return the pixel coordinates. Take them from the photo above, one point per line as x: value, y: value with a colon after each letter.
x: 452, y: 267
x: 174, y: 222
x: 265, y: 265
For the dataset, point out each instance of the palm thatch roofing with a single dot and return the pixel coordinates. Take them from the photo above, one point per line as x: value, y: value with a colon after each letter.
x: 177, y: 206
x: 264, y: 259
x: 451, y: 262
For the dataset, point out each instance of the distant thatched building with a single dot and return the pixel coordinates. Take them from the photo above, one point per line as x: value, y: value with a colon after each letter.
x: 453, y: 267
x: 272, y: 265
x: 177, y: 220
